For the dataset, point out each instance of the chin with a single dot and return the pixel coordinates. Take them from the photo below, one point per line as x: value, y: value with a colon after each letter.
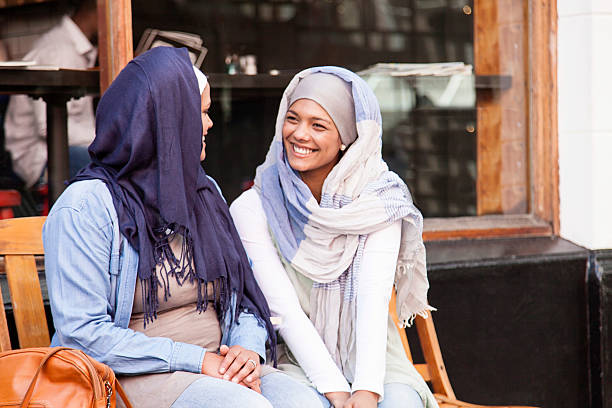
x: 298, y: 165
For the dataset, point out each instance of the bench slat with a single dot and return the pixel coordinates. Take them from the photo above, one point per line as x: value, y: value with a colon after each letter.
x: 21, y: 236
x: 5, y: 339
x: 26, y: 297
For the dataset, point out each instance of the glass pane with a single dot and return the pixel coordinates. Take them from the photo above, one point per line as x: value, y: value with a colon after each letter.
x: 442, y: 134
x: 429, y: 138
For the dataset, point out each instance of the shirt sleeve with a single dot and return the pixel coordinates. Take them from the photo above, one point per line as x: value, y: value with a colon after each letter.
x: 295, y: 327
x: 78, y: 255
x: 373, y: 294
x: 250, y: 334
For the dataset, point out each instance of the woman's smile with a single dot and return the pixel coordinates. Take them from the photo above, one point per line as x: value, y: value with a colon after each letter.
x: 301, y: 151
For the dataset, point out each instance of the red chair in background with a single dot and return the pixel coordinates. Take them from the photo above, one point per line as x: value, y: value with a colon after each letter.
x: 43, y: 193
x: 8, y: 200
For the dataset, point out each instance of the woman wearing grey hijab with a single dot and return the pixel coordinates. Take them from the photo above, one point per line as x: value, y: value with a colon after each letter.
x: 330, y: 230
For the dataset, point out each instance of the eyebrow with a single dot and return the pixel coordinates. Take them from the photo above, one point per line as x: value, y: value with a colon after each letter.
x: 313, y: 118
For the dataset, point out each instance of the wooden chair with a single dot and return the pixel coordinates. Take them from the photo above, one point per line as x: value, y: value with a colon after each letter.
x: 20, y: 241
x: 433, y: 370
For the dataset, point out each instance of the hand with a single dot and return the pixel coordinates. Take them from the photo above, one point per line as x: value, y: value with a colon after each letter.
x: 337, y: 398
x: 211, y: 365
x: 362, y: 399
x: 240, y: 365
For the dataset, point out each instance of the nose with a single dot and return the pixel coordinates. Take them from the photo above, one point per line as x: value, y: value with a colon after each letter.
x: 301, y: 132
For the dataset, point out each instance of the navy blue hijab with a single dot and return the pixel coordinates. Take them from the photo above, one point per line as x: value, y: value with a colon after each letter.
x: 147, y: 151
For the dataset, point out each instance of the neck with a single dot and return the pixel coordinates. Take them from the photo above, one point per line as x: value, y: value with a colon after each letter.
x: 315, y: 178
x: 314, y: 183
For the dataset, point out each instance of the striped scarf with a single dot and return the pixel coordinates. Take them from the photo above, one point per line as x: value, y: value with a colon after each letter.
x: 325, y: 241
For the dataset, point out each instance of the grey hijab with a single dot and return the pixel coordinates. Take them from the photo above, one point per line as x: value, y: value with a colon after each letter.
x: 335, y: 96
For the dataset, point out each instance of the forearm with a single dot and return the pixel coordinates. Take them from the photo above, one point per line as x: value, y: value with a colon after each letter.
x: 130, y: 352
x: 296, y: 329
x: 375, y: 285
x: 312, y: 355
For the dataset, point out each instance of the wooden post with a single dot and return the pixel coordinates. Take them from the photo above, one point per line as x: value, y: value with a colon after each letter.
x: 500, y: 48
x: 57, y: 145
x: 115, y: 38
x: 543, y: 118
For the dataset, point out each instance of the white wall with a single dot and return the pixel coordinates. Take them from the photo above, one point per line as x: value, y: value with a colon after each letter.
x: 585, y: 121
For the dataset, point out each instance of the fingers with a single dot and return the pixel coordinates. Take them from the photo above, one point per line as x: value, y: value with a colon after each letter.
x: 239, y: 363
x: 248, y: 373
x: 254, y: 375
x: 230, y: 355
x: 255, y: 385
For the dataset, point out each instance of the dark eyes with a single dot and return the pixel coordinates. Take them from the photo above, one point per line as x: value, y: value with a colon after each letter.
x: 293, y: 119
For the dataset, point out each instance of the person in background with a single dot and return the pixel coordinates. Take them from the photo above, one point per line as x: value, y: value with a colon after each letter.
x: 145, y: 270
x: 70, y: 44
x: 329, y: 229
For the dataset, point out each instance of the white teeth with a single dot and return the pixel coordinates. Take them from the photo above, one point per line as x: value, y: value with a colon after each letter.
x: 301, y: 150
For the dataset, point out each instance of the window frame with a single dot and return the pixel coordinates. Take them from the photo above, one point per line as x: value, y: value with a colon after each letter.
x: 542, y: 218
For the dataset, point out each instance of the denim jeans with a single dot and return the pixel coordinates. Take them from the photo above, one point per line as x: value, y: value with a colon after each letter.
x: 397, y: 395
x: 279, y: 391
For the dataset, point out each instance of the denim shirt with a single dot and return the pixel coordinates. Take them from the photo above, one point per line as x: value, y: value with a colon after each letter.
x: 91, y: 272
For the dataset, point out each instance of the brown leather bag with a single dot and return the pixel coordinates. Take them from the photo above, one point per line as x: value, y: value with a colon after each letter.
x: 56, y: 377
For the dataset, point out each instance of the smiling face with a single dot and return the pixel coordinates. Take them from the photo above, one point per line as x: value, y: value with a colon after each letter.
x: 311, y: 139
x: 206, y: 121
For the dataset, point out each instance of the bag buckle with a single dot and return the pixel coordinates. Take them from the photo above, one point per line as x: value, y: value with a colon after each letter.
x: 109, y: 392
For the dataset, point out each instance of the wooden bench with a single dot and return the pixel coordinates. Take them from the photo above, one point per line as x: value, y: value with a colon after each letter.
x: 21, y: 241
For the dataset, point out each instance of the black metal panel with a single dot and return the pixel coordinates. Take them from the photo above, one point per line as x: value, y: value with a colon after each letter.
x: 600, y: 328
x: 511, y: 320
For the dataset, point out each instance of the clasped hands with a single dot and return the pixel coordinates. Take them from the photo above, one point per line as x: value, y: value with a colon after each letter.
x: 235, y: 364
x: 359, y: 399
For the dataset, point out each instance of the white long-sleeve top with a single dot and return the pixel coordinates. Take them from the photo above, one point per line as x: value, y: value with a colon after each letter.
x: 373, y: 294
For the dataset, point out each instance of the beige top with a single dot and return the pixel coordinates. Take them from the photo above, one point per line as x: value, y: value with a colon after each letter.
x: 177, y: 319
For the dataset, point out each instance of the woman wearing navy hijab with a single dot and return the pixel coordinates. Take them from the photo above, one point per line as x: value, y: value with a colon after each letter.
x: 145, y: 269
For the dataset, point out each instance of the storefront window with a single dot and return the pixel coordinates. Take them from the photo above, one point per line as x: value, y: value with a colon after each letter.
x: 459, y: 141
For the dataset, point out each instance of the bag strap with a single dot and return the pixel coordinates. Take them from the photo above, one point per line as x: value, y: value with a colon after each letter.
x: 51, y: 353
x: 121, y: 393
x: 28, y: 394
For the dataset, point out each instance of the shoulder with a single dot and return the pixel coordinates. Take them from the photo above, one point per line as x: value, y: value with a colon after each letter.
x: 215, y: 184
x: 247, y: 202
x: 88, y: 199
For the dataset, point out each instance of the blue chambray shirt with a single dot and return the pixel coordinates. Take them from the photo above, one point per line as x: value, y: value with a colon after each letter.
x: 91, y: 275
